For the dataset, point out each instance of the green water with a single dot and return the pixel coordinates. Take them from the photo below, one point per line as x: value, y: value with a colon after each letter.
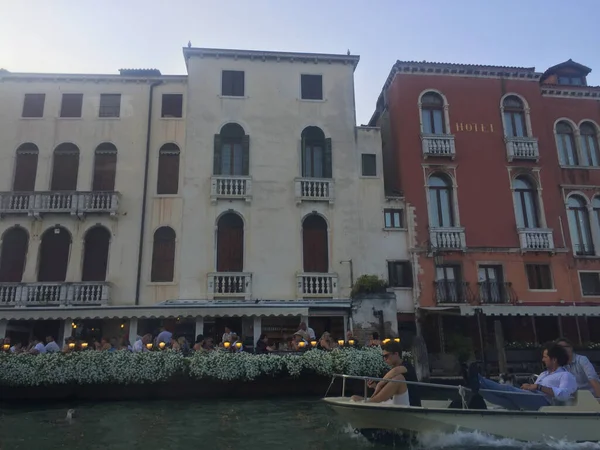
x: 195, y: 425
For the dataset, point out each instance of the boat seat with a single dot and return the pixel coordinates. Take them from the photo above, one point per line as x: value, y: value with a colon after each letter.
x: 582, y: 401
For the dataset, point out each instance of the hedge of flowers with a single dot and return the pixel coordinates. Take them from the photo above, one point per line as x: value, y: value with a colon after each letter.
x: 90, y: 367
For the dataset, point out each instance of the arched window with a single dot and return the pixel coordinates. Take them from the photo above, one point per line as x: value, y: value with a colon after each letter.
x: 168, y: 170
x: 514, y: 117
x: 25, y: 168
x: 230, y: 243
x: 163, y: 255
x: 105, y: 167
x: 232, y: 151
x: 316, y: 153
x: 589, y: 145
x: 315, y: 244
x: 596, y: 207
x: 432, y: 113
x: 525, y: 197
x: 95, y: 254
x: 441, y: 213
x: 54, y: 254
x: 65, y: 168
x: 12, y: 257
x: 565, y: 140
x: 579, y: 224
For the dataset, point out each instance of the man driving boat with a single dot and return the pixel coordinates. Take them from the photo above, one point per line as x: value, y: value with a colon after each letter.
x: 386, y: 392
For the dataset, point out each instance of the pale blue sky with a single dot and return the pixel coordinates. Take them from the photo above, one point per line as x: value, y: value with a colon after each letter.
x: 103, y: 36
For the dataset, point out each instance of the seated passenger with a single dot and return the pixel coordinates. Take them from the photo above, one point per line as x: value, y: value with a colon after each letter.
x: 581, y: 368
x: 554, y: 383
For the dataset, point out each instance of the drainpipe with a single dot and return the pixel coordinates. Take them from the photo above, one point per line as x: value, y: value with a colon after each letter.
x: 144, y: 194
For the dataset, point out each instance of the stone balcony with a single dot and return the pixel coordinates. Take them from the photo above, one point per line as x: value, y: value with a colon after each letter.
x: 230, y: 188
x: 85, y: 293
x: 438, y: 145
x: 536, y: 239
x: 59, y: 202
x: 230, y: 285
x: 448, y: 238
x: 314, y: 189
x: 314, y: 285
x: 522, y: 148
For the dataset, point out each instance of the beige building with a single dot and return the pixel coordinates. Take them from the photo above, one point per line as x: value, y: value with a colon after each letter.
x: 242, y: 194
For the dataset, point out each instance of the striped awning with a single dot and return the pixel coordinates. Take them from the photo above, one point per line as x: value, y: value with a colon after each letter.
x: 517, y: 310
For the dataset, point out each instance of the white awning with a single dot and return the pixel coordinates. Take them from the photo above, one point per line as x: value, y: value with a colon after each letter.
x: 516, y: 310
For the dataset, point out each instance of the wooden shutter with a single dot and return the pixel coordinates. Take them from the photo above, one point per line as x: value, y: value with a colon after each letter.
x: 245, y: 155
x: 163, y: 255
x: 65, y: 171
x: 54, y: 255
x: 105, y: 167
x: 327, y: 170
x: 95, y: 256
x: 230, y: 244
x: 168, y: 170
x: 217, y: 155
x: 315, y: 246
x: 12, y: 257
x: 25, y: 171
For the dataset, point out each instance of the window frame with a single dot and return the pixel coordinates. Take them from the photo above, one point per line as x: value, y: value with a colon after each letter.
x: 302, y: 88
x: 449, y: 188
x: 561, y: 140
x: 169, y: 148
x: 174, y: 251
x: 511, y: 111
x: 366, y: 157
x: 115, y: 107
x: 407, y: 281
x: 392, y: 212
x: 36, y: 96
x: 585, y: 139
x: 580, y: 214
x: 519, y: 198
x: 579, y: 273
x: 71, y: 95
x: 232, y: 82
x: 162, y: 105
x: 540, y: 276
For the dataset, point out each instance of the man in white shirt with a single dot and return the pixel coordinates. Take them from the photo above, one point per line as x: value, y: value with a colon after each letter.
x: 307, y: 332
x: 554, y: 383
x: 140, y: 345
x: 581, y: 368
x: 38, y: 348
x: 51, y: 345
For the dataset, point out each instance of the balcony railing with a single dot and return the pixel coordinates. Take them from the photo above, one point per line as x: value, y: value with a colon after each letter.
x: 496, y: 292
x: 536, y: 239
x: 448, y: 238
x: 54, y: 294
x: 230, y: 284
x: 435, y: 145
x: 59, y: 202
x: 317, y: 285
x: 451, y: 291
x: 522, y: 148
x: 231, y: 187
x: 314, y: 189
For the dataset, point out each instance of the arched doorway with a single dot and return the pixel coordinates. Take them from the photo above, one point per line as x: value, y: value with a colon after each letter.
x: 95, y: 254
x: 12, y: 257
x: 230, y: 243
x: 315, y: 244
x: 54, y: 254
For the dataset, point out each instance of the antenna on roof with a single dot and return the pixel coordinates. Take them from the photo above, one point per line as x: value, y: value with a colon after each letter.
x: 189, y: 44
x: 348, y: 52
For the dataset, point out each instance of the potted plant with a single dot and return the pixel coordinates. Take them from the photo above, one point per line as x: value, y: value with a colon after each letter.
x: 369, y: 284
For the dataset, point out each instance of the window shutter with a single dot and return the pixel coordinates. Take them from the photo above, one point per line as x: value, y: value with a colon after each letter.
x: 25, y: 172
x: 246, y: 154
x: 217, y: 156
x: 327, y: 171
x: 303, y: 156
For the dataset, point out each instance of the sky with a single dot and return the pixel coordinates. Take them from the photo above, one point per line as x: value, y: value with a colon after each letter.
x: 75, y: 36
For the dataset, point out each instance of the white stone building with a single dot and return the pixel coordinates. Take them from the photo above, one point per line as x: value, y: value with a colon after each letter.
x: 241, y: 194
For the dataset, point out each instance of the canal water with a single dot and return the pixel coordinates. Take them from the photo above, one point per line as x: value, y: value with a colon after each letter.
x: 278, y: 424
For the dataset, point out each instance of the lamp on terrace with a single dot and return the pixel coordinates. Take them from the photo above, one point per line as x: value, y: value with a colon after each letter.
x: 6, y: 347
x: 161, y: 345
x: 301, y: 344
x: 350, y: 341
x: 341, y: 342
x: 238, y: 345
x: 226, y: 344
x: 313, y: 343
x: 84, y: 345
x: 149, y: 345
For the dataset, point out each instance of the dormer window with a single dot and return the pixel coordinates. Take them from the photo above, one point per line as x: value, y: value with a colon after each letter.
x: 568, y: 73
x: 571, y: 81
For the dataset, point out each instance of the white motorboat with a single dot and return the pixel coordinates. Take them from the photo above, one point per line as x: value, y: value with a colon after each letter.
x: 579, y: 421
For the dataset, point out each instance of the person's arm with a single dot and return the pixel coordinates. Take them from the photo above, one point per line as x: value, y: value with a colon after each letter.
x: 400, y: 370
x: 591, y: 373
x: 566, y: 388
x: 387, y: 391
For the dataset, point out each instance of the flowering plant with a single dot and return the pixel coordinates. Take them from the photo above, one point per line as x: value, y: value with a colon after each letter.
x: 518, y: 345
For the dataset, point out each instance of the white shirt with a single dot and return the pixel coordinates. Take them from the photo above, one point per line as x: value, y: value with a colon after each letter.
x: 138, y: 346
x: 311, y: 333
x: 52, y: 347
x: 40, y: 347
x: 561, y: 381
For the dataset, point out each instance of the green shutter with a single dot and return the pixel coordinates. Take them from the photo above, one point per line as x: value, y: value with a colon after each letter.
x: 217, y: 155
x: 327, y: 171
x: 246, y: 154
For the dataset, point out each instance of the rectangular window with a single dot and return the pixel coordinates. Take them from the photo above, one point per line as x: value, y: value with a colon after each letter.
x: 33, y: 105
x: 539, y: 276
x: 369, y: 165
x: 311, y: 87
x: 110, y: 105
x: 400, y: 274
x: 394, y: 218
x: 232, y: 83
x: 172, y: 105
x: 448, y: 284
x: 590, y: 283
x: 71, y: 105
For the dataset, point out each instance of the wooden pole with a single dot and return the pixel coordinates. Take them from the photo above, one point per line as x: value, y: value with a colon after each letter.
x: 535, y: 336
x: 499, y: 334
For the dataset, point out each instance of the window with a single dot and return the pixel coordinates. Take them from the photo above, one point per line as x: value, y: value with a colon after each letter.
x: 589, y: 145
x: 315, y: 247
x: 539, y: 276
x: 579, y: 224
x: 232, y: 83
x: 400, y: 274
x: 448, y: 285
x: 491, y: 285
x: 105, y: 167
x: 71, y: 105
x: 230, y: 243
x: 172, y: 105
x: 573, y: 81
x: 65, y: 168
x: 525, y: 197
x: 432, y: 113
x: 163, y: 255
x: 231, y: 151
x: 514, y: 117
x: 316, y: 153
x: 110, y: 105
x: 394, y: 218
x: 590, y: 283
x: 25, y: 168
x: 565, y: 140
x: 440, y: 201
x: 15, y: 242
x: 95, y: 254
x: 369, y: 165
x: 55, y: 247
x: 596, y: 206
x: 33, y: 105
x: 168, y: 170
x: 312, y: 87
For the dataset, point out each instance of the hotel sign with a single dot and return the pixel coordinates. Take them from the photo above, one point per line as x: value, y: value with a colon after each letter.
x: 473, y: 127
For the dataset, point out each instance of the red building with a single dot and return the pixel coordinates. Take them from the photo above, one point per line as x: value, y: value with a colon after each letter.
x: 499, y: 167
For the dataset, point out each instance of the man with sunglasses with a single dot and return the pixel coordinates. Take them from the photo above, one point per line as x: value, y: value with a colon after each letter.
x: 386, y: 392
x: 581, y: 368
